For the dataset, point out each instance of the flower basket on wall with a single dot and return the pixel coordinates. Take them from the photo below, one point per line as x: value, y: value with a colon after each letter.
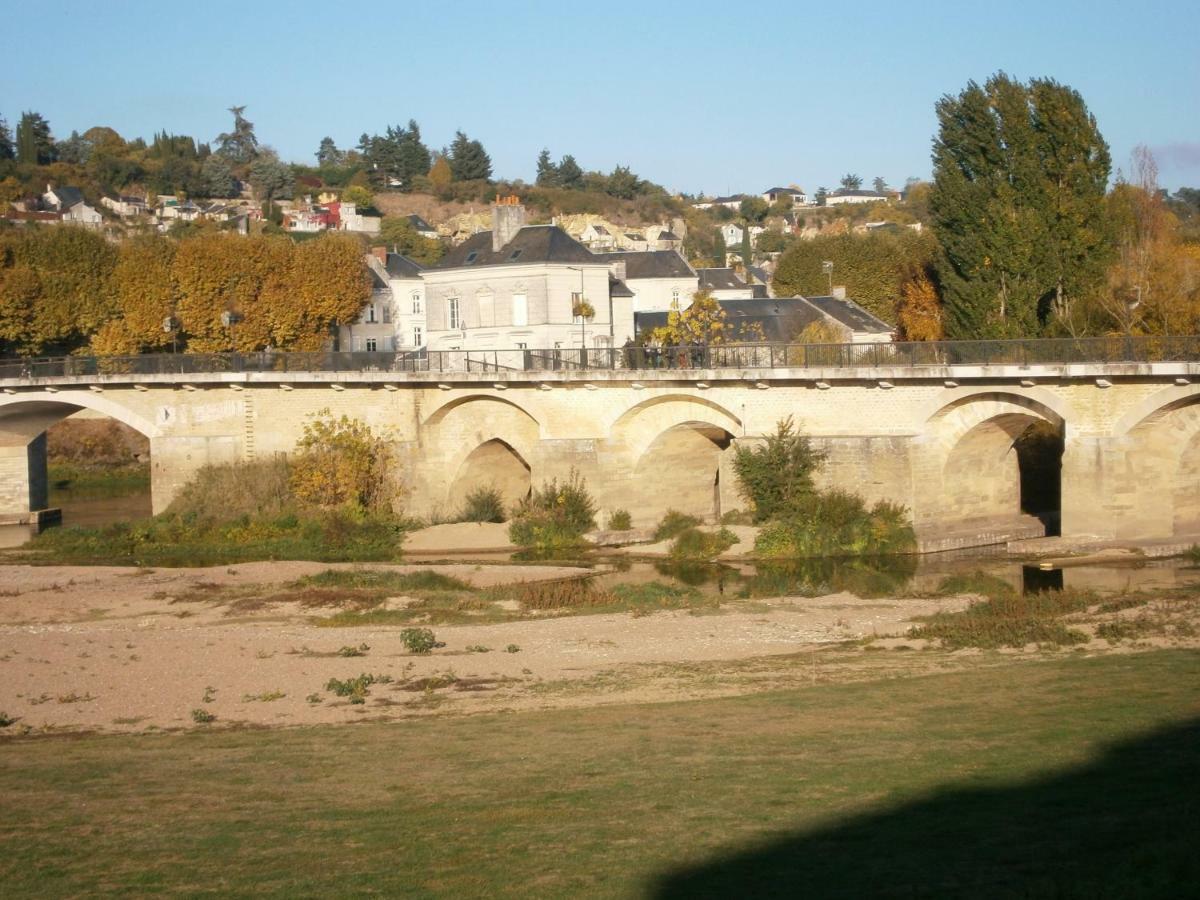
x: 581, y: 309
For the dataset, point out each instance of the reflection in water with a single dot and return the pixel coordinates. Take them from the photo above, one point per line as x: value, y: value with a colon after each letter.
x: 83, y: 512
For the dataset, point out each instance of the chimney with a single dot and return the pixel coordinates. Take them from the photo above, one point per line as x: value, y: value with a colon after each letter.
x: 380, y: 254
x: 839, y: 292
x: 508, y: 217
x: 618, y: 269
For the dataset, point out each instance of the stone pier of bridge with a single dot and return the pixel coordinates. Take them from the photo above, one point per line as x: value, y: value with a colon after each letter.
x: 941, y: 441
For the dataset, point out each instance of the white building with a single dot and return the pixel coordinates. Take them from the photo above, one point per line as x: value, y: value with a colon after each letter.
x: 393, y: 318
x: 844, y: 195
x: 775, y: 194
x: 657, y: 278
x: 68, y: 202
x: 733, y: 233
x: 515, y: 288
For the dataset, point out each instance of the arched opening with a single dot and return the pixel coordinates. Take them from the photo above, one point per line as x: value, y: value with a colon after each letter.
x: 493, y: 464
x: 62, y: 455
x: 680, y: 470
x: 1005, y: 473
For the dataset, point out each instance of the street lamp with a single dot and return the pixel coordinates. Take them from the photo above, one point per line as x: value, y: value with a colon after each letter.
x: 582, y: 318
x: 827, y: 268
x: 229, y: 319
x: 170, y: 326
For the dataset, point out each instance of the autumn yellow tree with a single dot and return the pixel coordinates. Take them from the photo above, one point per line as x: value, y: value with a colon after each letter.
x: 340, y: 462
x: 74, y: 297
x: 327, y: 286
x: 222, y: 272
x: 145, y: 298
x: 20, y: 289
x: 919, y: 310
x: 703, y: 322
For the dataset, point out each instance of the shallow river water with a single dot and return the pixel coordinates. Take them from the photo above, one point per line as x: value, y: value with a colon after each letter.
x: 862, y: 577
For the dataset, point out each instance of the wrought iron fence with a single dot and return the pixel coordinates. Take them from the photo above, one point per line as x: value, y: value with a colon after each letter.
x: 910, y: 355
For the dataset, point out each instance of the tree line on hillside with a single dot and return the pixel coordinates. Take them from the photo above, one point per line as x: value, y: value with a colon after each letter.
x: 67, y: 289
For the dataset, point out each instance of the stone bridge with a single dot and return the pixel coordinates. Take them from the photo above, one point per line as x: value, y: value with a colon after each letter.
x: 943, y: 440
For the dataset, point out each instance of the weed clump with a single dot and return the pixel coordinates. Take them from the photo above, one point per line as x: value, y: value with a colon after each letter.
x: 777, y: 480
x: 694, y: 544
x: 673, y: 524
x: 356, y: 689
x: 484, y: 504
x: 1009, y: 619
x: 419, y: 640
x: 202, y: 716
x: 554, y: 516
x: 620, y: 520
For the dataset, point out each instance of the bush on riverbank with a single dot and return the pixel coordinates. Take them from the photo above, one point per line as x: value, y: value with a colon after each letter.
x: 554, y: 516
x: 777, y: 480
x: 268, y: 509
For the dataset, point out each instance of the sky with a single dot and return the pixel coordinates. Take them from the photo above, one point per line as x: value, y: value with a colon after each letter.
x: 702, y: 97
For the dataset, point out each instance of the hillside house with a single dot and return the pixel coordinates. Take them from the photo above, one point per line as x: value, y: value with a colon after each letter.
x: 421, y: 227
x: 124, y: 206
x: 516, y: 286
x: 725, y: 284
x: 657, y: 278
x: 732, y: 202
x: 844, y: 195
x: 733, y: 233
x: 796, y: 195
x: 68, y: 202
x: 597, y: 238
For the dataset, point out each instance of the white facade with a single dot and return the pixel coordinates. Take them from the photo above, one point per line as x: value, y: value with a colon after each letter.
x: 524, y: 307
x: 82, y: 214
x: 838, y: 197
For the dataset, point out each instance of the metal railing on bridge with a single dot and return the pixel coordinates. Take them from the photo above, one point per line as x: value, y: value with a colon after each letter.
x: 909, y: 355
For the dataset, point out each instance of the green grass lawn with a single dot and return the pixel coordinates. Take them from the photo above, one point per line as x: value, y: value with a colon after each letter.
x: 1070, y: 778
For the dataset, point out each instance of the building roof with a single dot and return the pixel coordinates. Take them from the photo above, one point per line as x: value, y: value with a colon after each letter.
x: 651, y: 263
x: 599, y: 229
x: 667, y: 236
x: 761, y: 274
x: 850, y: 314
x: 418, y: 223
x: 780, y: 320
x: 67, y: 197
x: 400, y: 266
x: 634, y: 236
x: 618, y: 288
x: 719, y: 279
x: 782, y: 190
x: 532, y: 244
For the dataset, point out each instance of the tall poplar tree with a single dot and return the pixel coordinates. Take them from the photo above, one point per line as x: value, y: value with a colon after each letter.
x: 1017, y: 204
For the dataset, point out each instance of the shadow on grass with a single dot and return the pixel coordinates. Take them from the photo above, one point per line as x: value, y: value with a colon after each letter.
x: 1125, y: 825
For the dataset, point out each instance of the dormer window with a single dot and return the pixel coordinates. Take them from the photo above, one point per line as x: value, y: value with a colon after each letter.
x: 471, y: 257
x: 512, y: 256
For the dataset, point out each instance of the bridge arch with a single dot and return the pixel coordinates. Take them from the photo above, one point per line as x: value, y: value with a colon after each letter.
x: 24, y: 419
x: 21, y: 412
x: 479, y: 441
x: 675, y: 449
x: 493, y: 464
x: 991, y: 461
x: 1162, y: 459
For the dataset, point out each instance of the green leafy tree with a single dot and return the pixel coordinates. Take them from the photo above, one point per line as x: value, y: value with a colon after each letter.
x: 820, y: 195
x: 328, y: 154
x: 851, y: 182
x: 1017, y: 204
x: 7, y: 150
x: 397, y: 233
x: 239, y: 146
x: 547, y: 171
x: 570, y: 175
x: 754, y: 209
x: 622, y: 183
x: 75, y: 150
x: 358, y: 195
x: 35, y: 145
x: 468, y: 160
x: 271, y: 178
x: 880, y: 184
x: 720, y: 251
x: 776, y: 477
x: 216, y: 177
x: 873, y: 267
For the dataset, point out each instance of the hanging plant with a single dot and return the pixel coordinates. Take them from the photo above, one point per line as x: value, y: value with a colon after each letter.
x: 581, y: 309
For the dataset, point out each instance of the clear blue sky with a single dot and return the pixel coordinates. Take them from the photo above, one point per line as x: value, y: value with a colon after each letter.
x: 698, y: 96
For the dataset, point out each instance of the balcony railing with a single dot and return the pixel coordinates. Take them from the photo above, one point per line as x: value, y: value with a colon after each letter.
x: 912, y: 355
